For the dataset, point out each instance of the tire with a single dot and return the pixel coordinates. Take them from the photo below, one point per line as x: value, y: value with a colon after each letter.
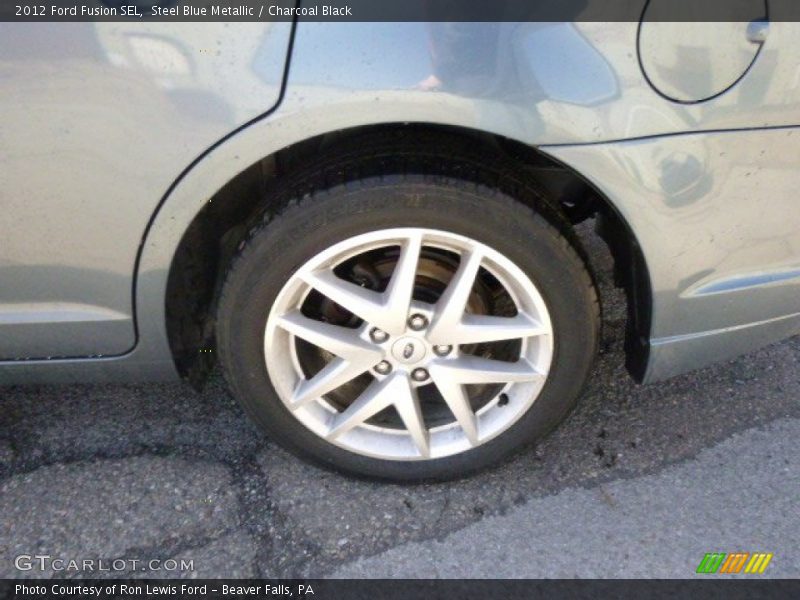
x: 267, y: 273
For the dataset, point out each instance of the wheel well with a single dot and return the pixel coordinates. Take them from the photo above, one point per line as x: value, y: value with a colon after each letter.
x: 213, y: 237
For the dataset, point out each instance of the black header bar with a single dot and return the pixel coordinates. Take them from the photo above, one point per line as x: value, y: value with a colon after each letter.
x: 397, y: 10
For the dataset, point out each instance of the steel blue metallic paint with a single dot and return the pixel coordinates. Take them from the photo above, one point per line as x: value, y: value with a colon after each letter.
x: 98, y: 121
x: 714, y: 217
x: 96, y: 139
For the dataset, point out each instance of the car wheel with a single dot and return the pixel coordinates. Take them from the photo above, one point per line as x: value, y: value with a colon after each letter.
x: 407, y: 327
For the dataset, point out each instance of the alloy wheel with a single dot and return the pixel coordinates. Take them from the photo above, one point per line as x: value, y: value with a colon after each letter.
x: 408, y: 344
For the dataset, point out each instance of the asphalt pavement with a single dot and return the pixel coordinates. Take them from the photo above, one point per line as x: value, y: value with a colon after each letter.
x: 641, y: 481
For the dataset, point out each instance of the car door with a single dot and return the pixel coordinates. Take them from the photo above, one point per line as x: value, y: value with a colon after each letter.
x: 97, y: 121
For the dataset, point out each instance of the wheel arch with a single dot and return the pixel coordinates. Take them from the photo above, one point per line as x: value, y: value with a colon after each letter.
x: 207, y: 212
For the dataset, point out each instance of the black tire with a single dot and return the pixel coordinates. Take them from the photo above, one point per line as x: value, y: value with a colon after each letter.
x: 282, y: 243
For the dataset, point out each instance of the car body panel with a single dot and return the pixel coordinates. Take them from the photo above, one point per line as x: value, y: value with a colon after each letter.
x: 540, y: 83
x: 98, y: 121
x: 573, y: 90
x: 690, y: 61
x: 717, y: 219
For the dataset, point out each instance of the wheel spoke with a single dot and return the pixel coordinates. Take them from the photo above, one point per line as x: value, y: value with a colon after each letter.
x: 401, y: 288
x: 456, y: 399
x: 341, y: 341
x: 373, y: 400
x: 394, y: 390
x: 364, y: 303
x: 387, y: 310
x: 450, y: 307
x: 407, y: 404
x: 472, y: 369
x: 475, y: 329
x: 335, y: 374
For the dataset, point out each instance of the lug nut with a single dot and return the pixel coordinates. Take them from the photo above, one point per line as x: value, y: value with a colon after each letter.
x: 419, y: 374
x: 417, y: 322
x: 442, y: 350
x: 378, y: 336
x: 383, y: 367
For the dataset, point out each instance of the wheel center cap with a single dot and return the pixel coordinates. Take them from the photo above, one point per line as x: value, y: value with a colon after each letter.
x: 408, y: 350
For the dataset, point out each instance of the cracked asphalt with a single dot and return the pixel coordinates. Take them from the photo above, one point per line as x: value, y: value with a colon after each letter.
x: 640, y: 481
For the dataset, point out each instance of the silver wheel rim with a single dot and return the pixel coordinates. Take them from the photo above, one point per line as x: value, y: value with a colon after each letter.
x: 411, y: 364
